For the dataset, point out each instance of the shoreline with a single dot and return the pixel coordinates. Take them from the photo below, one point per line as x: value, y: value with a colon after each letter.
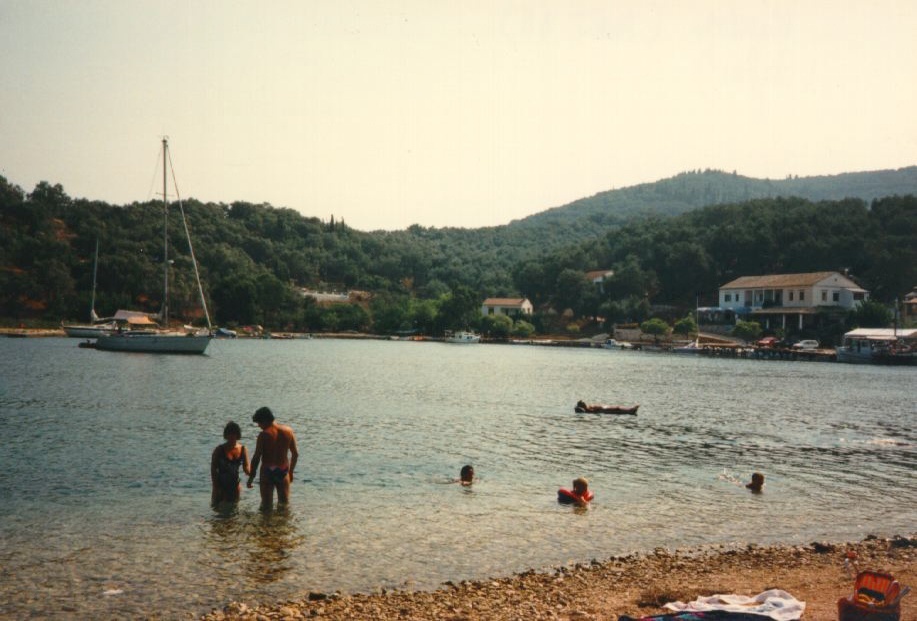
x: 636, y: 585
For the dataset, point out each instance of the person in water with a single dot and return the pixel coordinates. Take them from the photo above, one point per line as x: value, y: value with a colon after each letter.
x: 581, y: 489
x: 466, y: 475
x: 757, y: 483
x: 601, y: 408
x: 275, y: 443
x: 579, y: 496
x: 225, y: 462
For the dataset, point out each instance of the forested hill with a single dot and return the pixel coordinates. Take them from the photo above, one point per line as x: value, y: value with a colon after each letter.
x: 250, y: 254
x: 690, y: 190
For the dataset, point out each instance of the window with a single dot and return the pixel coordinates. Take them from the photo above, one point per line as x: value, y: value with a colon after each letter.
x: 824, y: 295
x: 490, y: 310
x: 859, y: 296
x: 836, y: 296
x: 791, y: 296
x: 802, y: 295
x: 728, y: 297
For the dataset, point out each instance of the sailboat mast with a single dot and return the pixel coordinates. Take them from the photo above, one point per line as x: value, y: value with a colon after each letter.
x: 95, y: 270
x: 165, y: 232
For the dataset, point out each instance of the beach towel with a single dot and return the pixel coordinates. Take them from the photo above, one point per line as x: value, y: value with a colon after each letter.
x: 707, y: 615
x: 774, y: 604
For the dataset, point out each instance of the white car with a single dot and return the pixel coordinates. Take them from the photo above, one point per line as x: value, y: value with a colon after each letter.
x: 806, y: 344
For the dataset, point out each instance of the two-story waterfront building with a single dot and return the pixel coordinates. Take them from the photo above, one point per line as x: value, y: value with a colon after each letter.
x: 790, y: 300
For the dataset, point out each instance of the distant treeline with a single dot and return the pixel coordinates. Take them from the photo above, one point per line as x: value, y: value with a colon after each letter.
x: 430, y: 279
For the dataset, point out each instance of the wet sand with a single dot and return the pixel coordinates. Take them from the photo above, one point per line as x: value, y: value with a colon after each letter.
x: 635, y: 585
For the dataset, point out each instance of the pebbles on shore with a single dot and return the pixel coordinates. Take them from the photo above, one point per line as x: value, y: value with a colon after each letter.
x: 636, y: 585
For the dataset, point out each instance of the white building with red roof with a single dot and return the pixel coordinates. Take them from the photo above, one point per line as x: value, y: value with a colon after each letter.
x: 506, y: 306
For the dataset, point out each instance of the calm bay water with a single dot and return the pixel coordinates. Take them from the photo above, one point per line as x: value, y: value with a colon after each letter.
x: 105, y: 482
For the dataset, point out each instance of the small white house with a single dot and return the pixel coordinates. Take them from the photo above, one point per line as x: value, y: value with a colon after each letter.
x: 778, y: 297
x: 598, y: 277
x: 506, y: 306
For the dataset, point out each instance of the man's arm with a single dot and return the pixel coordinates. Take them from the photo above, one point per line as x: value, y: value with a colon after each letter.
x: 256, y: 460
x: 294, y: 453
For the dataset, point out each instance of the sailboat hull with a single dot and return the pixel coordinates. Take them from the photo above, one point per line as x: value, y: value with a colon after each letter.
x: 89, y: 332
x: 154, y: 343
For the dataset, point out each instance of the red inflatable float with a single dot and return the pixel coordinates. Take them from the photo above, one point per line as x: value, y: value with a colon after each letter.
x: 567, y: 497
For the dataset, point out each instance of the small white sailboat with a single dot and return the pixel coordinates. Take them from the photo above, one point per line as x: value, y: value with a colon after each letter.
x: 164, y: 341
x: 98, y: 326
x: 694, y: 347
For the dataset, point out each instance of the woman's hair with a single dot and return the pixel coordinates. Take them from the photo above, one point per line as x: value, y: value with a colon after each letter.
x: 232, y: 427
x: 467, y: 472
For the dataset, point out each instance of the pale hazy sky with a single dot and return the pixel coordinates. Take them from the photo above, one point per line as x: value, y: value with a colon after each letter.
x: 390, y: 113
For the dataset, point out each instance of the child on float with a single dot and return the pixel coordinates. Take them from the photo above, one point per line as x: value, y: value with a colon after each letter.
x: 580, y: 495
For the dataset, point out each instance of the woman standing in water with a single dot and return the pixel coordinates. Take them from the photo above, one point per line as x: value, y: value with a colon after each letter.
x: 225, y: 463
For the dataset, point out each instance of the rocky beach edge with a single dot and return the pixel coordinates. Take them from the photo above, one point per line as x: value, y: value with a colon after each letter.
x: 636, y: 585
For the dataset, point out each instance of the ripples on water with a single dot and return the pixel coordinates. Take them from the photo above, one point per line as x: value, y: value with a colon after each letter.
x: 106, y: 462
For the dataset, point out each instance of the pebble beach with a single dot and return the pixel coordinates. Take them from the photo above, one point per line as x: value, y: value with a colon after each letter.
x: 635, y: 585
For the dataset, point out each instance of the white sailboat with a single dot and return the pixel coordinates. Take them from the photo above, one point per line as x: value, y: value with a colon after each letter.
x: 693, y: 347
x: 164, y: 342
x: 98, y: 326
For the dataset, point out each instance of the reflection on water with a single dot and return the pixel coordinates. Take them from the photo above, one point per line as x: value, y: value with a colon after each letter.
x: 261, y: 543
x: 123, y: 526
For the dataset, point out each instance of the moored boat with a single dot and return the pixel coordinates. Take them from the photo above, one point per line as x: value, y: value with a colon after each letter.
x: 463, y: 337
x: 879, y: 346
x: 163, y: 341
x: 97, y: 326
x: 155, y: 342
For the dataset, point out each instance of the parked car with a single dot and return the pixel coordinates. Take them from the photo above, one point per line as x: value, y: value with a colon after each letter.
x: 806, y: 344
x: 768, y: 341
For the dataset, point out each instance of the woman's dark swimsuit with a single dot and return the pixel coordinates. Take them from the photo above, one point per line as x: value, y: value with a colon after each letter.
x: 228, y: 473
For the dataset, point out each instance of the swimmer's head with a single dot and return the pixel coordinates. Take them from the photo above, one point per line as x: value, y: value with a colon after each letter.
x: 580, y: 485
x: 467, y: 473
x: 757, y: 482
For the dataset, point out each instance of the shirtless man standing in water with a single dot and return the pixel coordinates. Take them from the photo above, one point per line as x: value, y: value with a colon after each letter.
x: 274, y: 442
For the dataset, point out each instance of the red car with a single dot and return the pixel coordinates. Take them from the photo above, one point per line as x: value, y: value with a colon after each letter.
x: 767, y: 341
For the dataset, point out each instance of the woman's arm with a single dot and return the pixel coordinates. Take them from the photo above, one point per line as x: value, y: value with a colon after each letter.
x: 246, y: 466
x: 256, y: 460
x: 215, y: 464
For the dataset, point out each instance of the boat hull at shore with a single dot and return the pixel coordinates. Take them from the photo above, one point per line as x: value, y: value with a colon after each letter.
x: 155, y: 343
x: 89, y: 332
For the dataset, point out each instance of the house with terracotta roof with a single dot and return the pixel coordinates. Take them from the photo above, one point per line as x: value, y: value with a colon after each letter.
x: 506, y: 306
x: 910, y: 308
x: 785, y: 300
x: 597, y: 278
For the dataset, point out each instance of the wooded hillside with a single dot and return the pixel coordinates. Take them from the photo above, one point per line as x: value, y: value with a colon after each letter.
x: 432, y: 279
